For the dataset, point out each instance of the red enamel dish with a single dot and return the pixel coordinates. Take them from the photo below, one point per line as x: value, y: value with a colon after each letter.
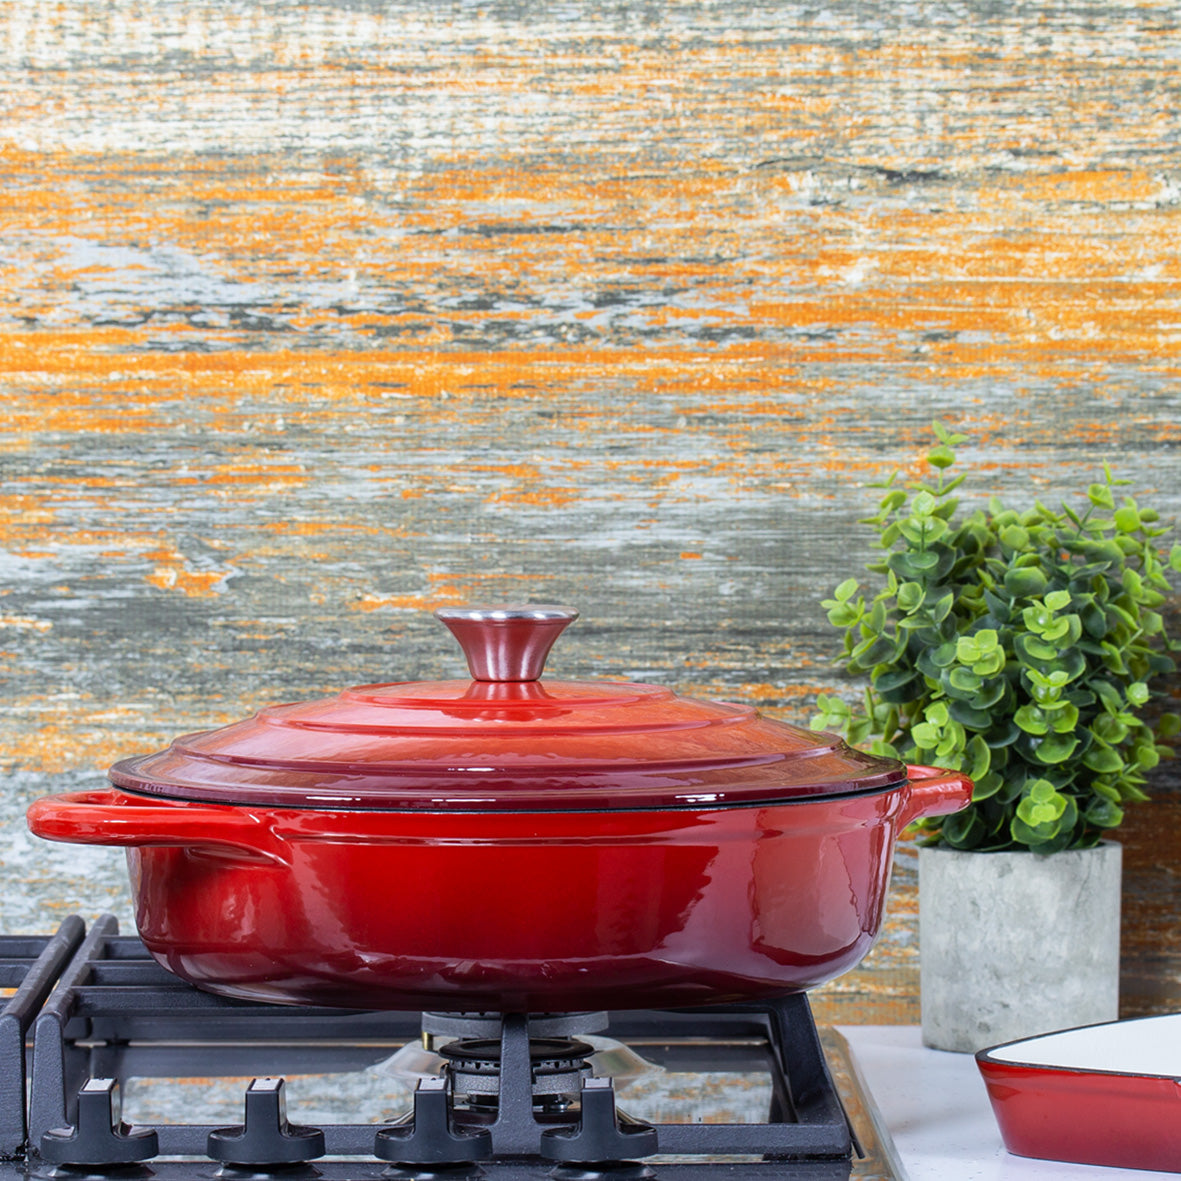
x: 505, y: 844
x: 1098, y: 1095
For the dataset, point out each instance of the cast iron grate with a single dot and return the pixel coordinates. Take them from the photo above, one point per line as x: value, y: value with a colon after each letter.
x: 29, y: 965
x: 115, y: 1015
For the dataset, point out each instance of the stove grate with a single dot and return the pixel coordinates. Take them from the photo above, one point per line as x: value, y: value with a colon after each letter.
x: 30, y: 966
x: 116, y: 1015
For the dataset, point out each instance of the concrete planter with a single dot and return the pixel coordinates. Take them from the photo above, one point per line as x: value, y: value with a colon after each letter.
x: 1013, y: 944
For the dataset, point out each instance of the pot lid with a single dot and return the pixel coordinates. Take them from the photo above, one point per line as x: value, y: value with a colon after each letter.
x: 506, y: 741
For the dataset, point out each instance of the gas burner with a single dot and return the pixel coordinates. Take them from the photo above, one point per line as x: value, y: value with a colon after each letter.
x: 558, y: 1067
x: 607, y: 1057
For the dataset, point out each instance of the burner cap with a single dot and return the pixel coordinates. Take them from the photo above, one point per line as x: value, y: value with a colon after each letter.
x: 546, y: 1054
x: 488, y: 1025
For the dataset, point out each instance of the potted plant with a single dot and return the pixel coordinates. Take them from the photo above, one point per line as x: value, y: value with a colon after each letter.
x: 1019, y: 645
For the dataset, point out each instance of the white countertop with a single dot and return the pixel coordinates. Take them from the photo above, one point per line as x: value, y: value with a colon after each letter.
x: 935, y: 1109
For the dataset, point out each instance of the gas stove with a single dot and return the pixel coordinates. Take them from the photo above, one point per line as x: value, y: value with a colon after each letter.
x: 111, y: 1067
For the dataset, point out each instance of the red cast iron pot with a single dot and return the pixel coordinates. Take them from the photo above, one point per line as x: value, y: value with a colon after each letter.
x: 506, y: 845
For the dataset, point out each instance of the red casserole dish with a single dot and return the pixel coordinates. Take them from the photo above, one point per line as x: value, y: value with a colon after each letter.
x: 505, y: 844
x: 1099, y: 1095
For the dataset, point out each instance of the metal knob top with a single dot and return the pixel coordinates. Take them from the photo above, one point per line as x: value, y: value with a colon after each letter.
x: 507, y: 643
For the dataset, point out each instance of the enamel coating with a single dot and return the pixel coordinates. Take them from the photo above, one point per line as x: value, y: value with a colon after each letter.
x: 522, y: 911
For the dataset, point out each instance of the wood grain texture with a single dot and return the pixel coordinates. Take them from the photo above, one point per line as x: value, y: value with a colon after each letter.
x: 315, y: 316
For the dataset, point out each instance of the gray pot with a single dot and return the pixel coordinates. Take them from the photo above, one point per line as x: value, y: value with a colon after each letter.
x: 1015, y: 944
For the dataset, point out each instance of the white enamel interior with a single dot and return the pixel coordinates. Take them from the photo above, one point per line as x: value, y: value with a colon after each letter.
x: 1147, y: 1045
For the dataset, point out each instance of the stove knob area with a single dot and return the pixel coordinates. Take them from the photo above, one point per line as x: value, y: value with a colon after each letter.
x: 428, y: 1137
x: 266, y: 1138
x: 603, y: 1132
x: 508, y: 643
x: 100, y: 1136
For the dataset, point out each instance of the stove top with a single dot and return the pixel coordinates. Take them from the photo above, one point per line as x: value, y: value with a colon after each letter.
x: 112, y: 1067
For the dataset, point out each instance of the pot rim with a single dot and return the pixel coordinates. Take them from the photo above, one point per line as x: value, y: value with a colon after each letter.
x: 499, y: 806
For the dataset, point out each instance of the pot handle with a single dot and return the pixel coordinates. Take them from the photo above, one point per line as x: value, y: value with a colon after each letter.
x: 934, y: 792
x: 113, y: 818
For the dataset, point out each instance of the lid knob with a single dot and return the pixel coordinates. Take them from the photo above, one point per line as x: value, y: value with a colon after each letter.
x: 508, y: 643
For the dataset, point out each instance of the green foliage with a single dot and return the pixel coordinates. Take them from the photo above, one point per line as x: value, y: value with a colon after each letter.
x: 1017, y: 646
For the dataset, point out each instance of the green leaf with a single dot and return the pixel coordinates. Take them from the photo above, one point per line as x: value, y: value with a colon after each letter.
x: 1109, y: 728
x: 1094, y: 620
x: 964, y: 680
x: 948, y: 438
x: 1103, y: 760
x: 910, y: 596
x: 1036, y: 815
x: 903, y: 563
x: 1014, y: 537
x: 1100, y: 496
x: 967, y: 649
x: 944, y: 654
x: 1104, y: 814
x: 1034, y: 649
x: 924, y: 532
x: 1127, y: 519
x: 990, y: 693
x: 1057, y: 630
x: 1026, y: 834
x: 979, y: 757
x: 872, y: 650
x: 1037, y: 618
x: 846, y: 590
x: 1114, y: 660
x: 925, y: 736
x: 1109, y: 695
x: 1058, y: 600
x: 973, y: 719
x: 843, y: 616
x: 1064, y: 717
x: 1138, y: 693
x: 998, y: 607
x: 894, y: 678
x: 1054, y: 748
x: 990, y: 663
x: 964, y: 830
x: 876, y: 619
x: 1025, y: 580
x: 942, y: 608
x: 1147, y: 757
x: 1032, y: 720
x: 941, y: 457
x: 1043, y: 804
x: 1042, y: 790
x: 923, y: 504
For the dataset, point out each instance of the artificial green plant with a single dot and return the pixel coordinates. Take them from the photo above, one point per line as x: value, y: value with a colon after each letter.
x: 1017, y: 645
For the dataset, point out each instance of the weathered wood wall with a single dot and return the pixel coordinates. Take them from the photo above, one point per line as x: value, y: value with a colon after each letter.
x: 316, y: 315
